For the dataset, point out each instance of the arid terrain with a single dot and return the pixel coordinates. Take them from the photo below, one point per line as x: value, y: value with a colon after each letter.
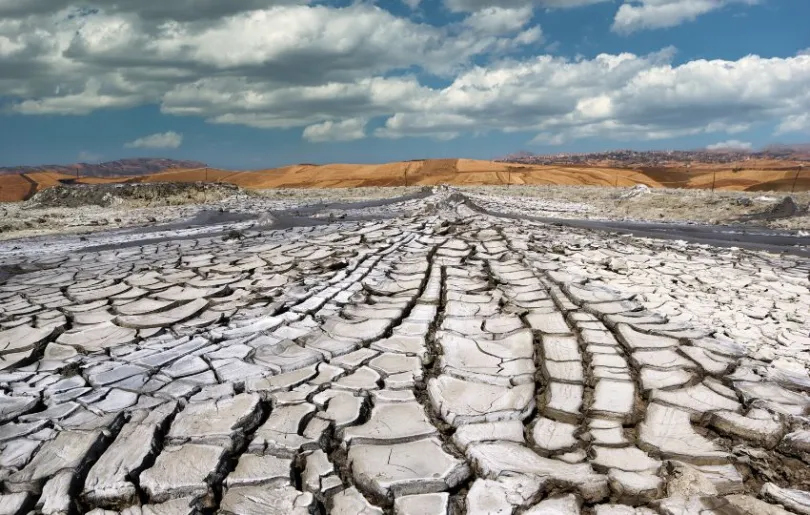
x: 325, y: 339
x: 751, y: 175
x: 85, y: 208
x: 432, y: 351
x: 73, y: 212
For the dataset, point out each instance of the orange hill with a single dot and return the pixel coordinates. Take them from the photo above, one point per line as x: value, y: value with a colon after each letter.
x: 748, y: 176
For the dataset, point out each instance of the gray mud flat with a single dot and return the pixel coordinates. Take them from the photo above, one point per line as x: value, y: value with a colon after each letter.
x: 417, y: 356
x: 752, y: 238
x: 769, y: 240
x: 214, y: 223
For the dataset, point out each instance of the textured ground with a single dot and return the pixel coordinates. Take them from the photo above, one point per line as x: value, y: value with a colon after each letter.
x: 651, y: 205
x: 70, y: 210
x: 87, y: 209
x: 433, y: 360
x: 750, y: 175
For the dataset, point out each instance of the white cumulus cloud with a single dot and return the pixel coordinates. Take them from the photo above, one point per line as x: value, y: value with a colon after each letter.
x: 169, y: 139
x: 344, y: 130
x: 732, y: 144
x: 622, y: 97
x: 499, y: 20
x: 636, y: 15
x: 794, y: 123
x: 327, y: 70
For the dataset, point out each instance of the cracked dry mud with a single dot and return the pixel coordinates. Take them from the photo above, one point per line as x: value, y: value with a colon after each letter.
x: 440, y: 361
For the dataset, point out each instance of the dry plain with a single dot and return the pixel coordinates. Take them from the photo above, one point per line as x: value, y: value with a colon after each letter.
x: 750, y: 175
x: 414, y: 354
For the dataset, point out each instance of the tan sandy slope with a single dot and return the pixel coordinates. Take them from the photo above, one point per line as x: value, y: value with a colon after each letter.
x: 747, y: 176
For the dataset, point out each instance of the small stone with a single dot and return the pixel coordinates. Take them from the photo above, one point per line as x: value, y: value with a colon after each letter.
x: 551, y: 436
x: 392, y: 423
x: 635, y: 487
x: 425, y: 504
x: 566, y: 505
x: 509, y: 430
x: 406, y: 468
x: 462, y: 402
x: 266, y: 500
x: 351, y: 502
x: 253, y: 470
x: 182, y: 471
x: 795, y: 500
x: 14, y: 504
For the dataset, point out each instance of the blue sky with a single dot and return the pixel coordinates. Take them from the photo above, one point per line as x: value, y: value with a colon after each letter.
x: 262, y: 83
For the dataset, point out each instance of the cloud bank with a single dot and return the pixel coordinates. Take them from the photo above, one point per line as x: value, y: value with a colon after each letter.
x: 333, y: 72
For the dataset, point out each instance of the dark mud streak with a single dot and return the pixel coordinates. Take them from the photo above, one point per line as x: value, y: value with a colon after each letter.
x: 283, y: 219
x: 296, y: 217
x: 345, y: 206
x: 715, y: 235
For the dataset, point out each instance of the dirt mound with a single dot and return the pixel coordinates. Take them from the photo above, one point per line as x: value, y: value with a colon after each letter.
x: 106, y: 195
x: 786, y: 208
x: 134, y: 166
x: 635, y: 191
x: 16, y: 187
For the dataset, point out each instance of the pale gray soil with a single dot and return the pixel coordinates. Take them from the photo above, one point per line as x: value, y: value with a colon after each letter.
x: 92, y: 212
x: 35, y: 218
x: 650, y: 205
x: 417, y: 355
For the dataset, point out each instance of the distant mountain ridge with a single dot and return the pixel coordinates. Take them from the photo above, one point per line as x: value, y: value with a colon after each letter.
x: 802, y: 149
x: 628, y: 157
x: 135, y: 166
